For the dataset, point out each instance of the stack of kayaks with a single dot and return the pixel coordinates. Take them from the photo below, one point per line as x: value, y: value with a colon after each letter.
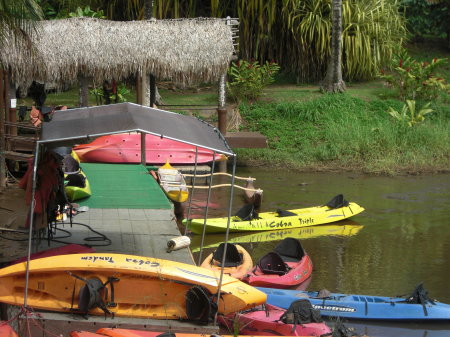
x: 270, y: 320
x: 287, y: 266
x: 304, y: 217
x: 172, y: 182
x: 125, y: 285
x: 237, y: 260
x: 416, y: 307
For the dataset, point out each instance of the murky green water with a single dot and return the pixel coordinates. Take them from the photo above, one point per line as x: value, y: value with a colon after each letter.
x: 400, y: 240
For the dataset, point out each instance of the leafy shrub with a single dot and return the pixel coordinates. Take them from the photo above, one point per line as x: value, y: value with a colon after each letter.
x: 408, y: 113
x: 246, y: 80
x: 413, y: 79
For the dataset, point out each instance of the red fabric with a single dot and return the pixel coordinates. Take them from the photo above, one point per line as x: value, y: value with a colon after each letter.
x: 46, y: 182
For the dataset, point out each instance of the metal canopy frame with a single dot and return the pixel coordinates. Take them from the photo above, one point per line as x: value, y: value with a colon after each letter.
x: 143, y: 160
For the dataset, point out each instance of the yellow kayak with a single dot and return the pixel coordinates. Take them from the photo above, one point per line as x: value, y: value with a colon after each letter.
x: 77, y: 186
x: 303, y: 217
x: 125, y: 285
x: 172, y: 182
x: 345, y: 228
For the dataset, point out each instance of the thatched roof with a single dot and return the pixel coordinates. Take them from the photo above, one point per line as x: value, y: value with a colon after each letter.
x: 187, y: 50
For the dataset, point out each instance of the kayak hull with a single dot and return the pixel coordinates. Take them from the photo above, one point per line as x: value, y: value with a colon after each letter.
x: 172, y: 183
x: 126, y: 148
x: 260, y: 322
x: 267, y: 221
x: 77, y: 193
x: 299, y: 272
x: 145, y: 287
x: 362, y: 307
x: 111, y: 332
x: 237, y: 272
x: 6, y: 330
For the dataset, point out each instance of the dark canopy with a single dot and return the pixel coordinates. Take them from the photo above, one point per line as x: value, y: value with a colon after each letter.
x: 79, y: 125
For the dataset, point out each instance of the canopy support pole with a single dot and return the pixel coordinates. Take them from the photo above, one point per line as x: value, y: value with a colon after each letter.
x: 143, y: 149
x: 192, y: 192
x: 31, y: 223
x: 230, y: 206
x: 207, y: 208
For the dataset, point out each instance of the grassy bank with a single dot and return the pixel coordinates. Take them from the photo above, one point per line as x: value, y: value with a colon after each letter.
x: 345, y: 132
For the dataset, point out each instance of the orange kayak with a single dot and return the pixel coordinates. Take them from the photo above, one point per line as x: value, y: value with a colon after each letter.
x: 238, y: 261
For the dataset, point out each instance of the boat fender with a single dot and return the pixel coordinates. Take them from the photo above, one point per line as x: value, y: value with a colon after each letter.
x: 178, y: 243
x: 199, y: 305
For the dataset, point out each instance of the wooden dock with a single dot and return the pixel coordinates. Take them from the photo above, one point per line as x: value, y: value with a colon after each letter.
x: 140, y: 221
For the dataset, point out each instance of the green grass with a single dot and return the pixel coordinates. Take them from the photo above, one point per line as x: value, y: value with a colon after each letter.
x: 347, y: 132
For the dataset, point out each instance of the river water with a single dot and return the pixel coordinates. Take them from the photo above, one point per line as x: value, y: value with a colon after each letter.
x: 400, y: 240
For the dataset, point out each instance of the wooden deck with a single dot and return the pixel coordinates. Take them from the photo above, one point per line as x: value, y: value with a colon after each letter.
x: 127, y: 230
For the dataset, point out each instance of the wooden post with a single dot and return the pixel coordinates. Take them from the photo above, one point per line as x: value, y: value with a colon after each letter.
x: 143, y: 149
x: 152, y: 90
x: 83, y: 83
x: 2, y: 131
x: 221, y: 111
x: 138, y: 89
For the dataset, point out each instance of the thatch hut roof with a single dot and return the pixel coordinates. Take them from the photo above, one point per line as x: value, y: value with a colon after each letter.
x: 186, y: 50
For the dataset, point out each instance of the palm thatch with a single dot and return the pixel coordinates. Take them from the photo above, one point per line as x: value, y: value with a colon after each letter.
x: 185, y: 50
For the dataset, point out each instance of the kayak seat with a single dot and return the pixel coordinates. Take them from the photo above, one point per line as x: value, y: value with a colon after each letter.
x: 301, y: 312
x: 76, y: 179
x: 247, y: 213
x: 199, y: 306
x: 337, y: 202
x: 70, y: 164
x: 272, y: 263
x: 290, y: 250
x: 281, y: 213
x: 232, y: 259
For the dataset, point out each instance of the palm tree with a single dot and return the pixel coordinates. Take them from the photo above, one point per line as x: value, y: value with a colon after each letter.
x: 333, y: 81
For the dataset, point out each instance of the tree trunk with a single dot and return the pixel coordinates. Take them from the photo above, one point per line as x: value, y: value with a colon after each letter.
x: 333, y: 81
x: 153, y: 90
x: 83, y: 83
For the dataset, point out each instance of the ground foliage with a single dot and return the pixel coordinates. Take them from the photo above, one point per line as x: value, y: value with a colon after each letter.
x: 345, y: 132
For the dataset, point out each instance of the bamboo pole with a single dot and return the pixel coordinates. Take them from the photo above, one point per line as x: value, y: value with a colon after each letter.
x: 218, y: 173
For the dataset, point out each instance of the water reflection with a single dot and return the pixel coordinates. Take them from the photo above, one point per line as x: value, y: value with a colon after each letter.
x: 384, y: 329
x: 403, y: 236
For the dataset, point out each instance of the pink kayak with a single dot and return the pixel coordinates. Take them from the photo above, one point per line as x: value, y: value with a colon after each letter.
x: 287, y: 266
x: 6, y: 330
x: 126, y: 148
x: 271, y: 322
x: 64, y: 250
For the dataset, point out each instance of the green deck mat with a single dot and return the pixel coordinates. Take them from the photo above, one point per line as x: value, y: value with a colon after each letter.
x: 123, y: 186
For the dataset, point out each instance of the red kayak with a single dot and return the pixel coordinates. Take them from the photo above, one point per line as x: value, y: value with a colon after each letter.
x: 287, y: 266
x: 126, y: 148
x: 6, y: 330
x: 112, y: 332
x: 64, y: 250
x: 274, y: 321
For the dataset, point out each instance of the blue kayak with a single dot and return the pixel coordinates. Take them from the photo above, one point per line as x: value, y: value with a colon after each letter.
x: 364, y: 307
